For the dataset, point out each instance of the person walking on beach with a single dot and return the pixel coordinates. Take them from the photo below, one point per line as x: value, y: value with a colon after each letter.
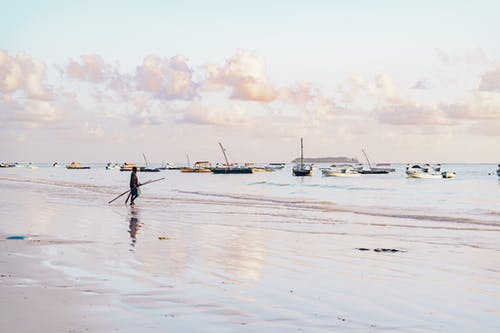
x: 134, y: 186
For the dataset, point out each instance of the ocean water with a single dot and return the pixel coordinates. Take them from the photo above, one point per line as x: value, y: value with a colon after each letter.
x: 269, y: 252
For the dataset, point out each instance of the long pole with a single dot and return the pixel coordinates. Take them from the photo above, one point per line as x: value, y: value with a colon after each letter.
x: 145, y: 183
x: 367, y: 158
x: 224, y: 152
x: 301, y: 153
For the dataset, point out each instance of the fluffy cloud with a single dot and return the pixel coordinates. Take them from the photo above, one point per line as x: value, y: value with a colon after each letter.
x: 387, y: 87
x: 382, y: 88
x: 166, y: 78
x: 245, y: 73
x: 92, y: 69
x: 490, y: 81
x: 482, y: 105
x: 24, y: 74
x: 412, y: 114
x: 31, y: 114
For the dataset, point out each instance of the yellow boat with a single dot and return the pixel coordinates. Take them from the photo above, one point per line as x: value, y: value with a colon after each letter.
x: 76, y: 166
x: 200, y: 166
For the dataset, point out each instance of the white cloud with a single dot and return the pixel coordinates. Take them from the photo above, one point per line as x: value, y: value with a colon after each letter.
x: 24, y: 74
x: 245, y: 73
x: 412, y: 114
x: 490, y: 81
x: 165, y: 78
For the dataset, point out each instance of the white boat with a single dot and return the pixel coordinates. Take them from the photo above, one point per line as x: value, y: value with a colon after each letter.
x: 112, y: 166
x: 31, y: 166
x: 345, y: 170
x: 448, y: 174
x: 428, y: 171
x: 276, y: 166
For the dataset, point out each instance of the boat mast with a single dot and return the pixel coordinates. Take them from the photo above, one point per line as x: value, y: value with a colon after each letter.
x: 224, y: 152
x: 189, y: 164
x: 367, y: 158
x: 301, y: 153
x: 145, y: 160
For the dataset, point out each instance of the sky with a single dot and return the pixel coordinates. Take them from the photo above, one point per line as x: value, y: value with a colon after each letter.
x: 101, y: 81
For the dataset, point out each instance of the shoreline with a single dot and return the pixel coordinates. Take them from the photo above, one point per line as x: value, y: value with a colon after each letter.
x: 234, y: 267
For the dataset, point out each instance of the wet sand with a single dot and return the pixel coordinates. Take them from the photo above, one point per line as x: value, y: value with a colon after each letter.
x: 237, y: 265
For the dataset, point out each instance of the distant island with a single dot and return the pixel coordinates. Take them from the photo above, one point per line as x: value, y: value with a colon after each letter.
x: 340, y: 159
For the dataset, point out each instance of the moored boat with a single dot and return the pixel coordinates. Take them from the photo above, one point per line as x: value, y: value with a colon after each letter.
x: 302, y: 169
x: 199, y: 166
x: 31, y: 166
x: 112, y: 166
x: 373, y: 170
x: 76, y: 166
x: 230, y: 168
x: 7, y: 165
x: 448, y: 174
x: 345, y: 170
x: 128, y: 167
x: 428, y: 171
x: 276, y: 166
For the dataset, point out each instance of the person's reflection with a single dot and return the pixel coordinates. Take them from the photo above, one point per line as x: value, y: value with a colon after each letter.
x: 134, y: 226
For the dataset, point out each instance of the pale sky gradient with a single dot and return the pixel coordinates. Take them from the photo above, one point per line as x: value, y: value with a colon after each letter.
x: 108, y: 80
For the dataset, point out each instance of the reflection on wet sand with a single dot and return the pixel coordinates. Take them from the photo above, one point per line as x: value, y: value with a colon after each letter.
x: 134, y: 225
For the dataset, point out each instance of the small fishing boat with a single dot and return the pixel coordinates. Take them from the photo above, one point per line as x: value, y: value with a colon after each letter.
x: 199, y: 166
x: 302, y: 169
x: 7, y: 165
x: 344, y: 170
x: 76, y: 166
x: 384, y: 167
x: 448, y: 174
x: 276, y: 166
x: 230, y: 168
x: 112, y: 166
x: 428, y: 171
x: 372, y: 170
x: 31, y: 166
x: 169, y: 166
x: 147, y: 168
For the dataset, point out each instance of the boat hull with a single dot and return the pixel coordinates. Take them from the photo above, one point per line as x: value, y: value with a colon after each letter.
x: 340, y: 174
x: 195, y: 170
x: 424, y: 175
x: 301, y: 173
x: 373, y: 172
x: 231, y: 170
x: 448, y: 174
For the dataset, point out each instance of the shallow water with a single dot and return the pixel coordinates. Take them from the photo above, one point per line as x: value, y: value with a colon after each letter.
x: 268, y: 251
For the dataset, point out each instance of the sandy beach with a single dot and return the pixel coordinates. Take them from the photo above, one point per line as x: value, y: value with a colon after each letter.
x: 192, y: 262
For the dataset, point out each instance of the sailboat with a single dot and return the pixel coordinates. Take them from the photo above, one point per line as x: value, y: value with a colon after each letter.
x: 199, y: 166
x: 372, y: 171
x: 147, y: 168
x: 230, y: 168
x: 302, y: 169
